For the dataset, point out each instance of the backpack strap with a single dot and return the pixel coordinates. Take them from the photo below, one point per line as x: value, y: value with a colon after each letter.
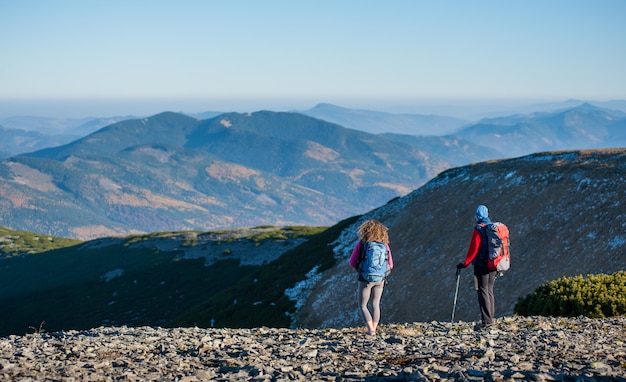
x: 361, y: 254
x: 484, y: 243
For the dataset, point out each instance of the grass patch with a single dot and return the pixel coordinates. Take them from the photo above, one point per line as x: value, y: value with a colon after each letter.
x: 17, y: 243
x: 286, y: 233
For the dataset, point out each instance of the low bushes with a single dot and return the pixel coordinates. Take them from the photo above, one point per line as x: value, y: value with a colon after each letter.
x: 593, y: 296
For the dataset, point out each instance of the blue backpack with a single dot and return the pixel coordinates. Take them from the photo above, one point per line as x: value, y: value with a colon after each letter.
x: 373, y: 263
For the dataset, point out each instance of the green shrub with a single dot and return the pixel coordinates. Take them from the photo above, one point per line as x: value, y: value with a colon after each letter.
x: 594, y: 296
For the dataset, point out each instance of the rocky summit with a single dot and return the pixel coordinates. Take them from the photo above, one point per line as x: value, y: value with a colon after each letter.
x: 515, y: 348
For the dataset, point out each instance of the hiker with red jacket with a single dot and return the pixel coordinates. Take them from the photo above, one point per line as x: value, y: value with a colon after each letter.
x: 484, y: 278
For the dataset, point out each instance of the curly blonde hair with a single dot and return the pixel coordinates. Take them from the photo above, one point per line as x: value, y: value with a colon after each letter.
x: 373, y: 230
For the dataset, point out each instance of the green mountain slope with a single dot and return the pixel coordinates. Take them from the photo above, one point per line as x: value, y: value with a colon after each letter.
x: 173, y: 172
x: 161, y: 279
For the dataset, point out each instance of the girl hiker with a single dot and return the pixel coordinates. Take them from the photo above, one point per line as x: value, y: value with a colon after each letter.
x: 371, y: 258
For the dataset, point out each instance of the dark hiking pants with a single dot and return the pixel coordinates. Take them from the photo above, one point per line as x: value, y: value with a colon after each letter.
x: 484, y: 279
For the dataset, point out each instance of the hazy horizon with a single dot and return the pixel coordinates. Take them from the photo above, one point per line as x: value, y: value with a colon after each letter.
x: 73, y: 58
x: 78, y: 109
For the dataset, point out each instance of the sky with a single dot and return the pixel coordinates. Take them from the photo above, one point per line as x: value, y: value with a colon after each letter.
x: 77, y: 58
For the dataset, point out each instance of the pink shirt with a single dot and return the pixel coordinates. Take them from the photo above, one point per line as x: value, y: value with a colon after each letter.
x: 356, y: 252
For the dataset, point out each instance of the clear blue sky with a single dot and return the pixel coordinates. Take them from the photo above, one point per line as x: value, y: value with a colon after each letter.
x: 228, y: 55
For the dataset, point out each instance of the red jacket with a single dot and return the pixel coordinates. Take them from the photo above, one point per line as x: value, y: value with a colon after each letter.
x: 474, y: 247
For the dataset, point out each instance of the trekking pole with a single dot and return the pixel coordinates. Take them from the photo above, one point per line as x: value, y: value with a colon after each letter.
x: 456, y: 292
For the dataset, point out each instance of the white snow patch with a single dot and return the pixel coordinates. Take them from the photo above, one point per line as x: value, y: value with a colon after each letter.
x: 514, y: 180
x: 617, y: 241
x: 110, y: 275
x: 302, y: 289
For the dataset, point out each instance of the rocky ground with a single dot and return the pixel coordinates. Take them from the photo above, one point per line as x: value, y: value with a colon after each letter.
x: 516, y: 348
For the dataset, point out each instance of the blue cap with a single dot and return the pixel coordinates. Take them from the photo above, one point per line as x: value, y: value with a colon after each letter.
x: 482, y: 212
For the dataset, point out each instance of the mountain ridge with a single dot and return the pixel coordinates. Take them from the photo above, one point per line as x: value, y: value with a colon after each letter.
x: 171, y: 171
x: 583, y: 127
x: 378, y: 122
x: 16, y: 141
x: 174, y: 172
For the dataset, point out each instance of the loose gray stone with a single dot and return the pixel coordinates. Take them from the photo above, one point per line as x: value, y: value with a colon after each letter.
x: 517, y: 348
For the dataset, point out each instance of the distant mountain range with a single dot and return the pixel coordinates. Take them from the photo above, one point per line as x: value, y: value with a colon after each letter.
x: 376, y: 122
x: 477, y: 110
x: 60, y: 126
x: 20, y: 133
x: 17, y: 141
x: 174, y: 172
x: 581, y: 127
x: 27, y: 134
x: 565, y: 212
